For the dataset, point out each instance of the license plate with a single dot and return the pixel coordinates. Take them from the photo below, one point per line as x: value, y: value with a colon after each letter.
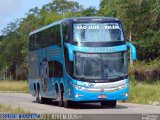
x: 102, y: 96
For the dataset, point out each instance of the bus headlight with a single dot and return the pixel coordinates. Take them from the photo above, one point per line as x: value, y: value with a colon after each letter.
x: 78, y: 95
x: 77, y: 86
x: 126, y: 94
x: 123, y: 86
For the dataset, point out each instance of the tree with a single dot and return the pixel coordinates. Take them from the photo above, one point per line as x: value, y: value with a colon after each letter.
x: 14, y: 43
x: 141, y: 19
x: 91, y: 11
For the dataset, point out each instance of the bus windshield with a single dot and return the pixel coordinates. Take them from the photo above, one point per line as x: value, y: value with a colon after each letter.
x: 100, y: 66
x: 97, y: 32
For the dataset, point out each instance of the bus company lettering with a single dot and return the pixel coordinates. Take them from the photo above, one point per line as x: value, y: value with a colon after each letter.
x: 101, y: 49
x: 112, y: 27
x: 96, y: 27
x: 87, y: 27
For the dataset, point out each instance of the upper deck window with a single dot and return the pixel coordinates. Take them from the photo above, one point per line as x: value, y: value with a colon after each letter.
x: 97, y: 32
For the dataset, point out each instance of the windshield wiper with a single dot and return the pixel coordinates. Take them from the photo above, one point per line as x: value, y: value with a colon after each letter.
x: 116, y: 77
x: 120, y: 77
x: 81, y: 78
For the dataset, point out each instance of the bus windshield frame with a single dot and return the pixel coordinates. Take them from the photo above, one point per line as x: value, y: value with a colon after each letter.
x: 106, y: 31
x: 104, y: 66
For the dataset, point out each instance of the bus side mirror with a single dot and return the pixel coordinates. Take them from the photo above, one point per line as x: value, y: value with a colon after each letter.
x: 132, y: 51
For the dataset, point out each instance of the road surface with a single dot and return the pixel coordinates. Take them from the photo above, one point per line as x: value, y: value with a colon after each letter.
x: 27, y: 103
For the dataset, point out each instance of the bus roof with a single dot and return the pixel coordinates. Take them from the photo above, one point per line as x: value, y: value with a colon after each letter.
x: 75, y: 19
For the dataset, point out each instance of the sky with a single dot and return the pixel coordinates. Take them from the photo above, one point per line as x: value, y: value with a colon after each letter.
x: 11, y: 10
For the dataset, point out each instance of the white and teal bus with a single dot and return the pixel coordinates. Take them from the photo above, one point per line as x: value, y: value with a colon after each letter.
x: 81, y: 59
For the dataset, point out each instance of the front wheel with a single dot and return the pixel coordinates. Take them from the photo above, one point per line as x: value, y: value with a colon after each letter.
x: 67, y: 104
x: 110, y: 103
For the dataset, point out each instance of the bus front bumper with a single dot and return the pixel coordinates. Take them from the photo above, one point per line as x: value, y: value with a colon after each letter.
x: 99, y: 94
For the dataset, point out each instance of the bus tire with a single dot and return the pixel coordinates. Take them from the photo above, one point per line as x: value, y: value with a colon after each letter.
x: 39, y: 98
x: 67, y: 104
x: 110, y: 103
x: 61, y: 102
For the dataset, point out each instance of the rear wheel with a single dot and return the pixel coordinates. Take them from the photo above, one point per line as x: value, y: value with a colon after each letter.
x: 48, y: 100
x: 110, y: 104
x: 67, y: 104
x: 39, y: 98
x: 61, y: 102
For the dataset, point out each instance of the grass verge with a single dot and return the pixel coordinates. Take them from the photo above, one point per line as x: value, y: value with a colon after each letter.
x: 17, y: 110
x: 9, y: 109
x: 144, y: 92
x: 10, y: 85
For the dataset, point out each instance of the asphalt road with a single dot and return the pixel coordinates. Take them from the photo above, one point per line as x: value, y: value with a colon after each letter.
x: 27, y: 102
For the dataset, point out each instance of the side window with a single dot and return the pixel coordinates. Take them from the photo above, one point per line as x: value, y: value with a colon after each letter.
x: 51, y: 69
x: 58, y: 69
x: 42, y: 39
x: 46, y: 38
x: 65, y: 30
x: 31, y: 43
x: 55, y: 35
x: 51, y: 36
x: 38, y: 42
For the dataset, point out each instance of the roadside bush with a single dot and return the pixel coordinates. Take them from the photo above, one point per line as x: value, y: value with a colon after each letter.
x: 22, y: 74
x: 146, y: 71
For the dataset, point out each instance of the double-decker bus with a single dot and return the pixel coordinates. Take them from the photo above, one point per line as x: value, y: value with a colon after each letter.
x: 81, y: 59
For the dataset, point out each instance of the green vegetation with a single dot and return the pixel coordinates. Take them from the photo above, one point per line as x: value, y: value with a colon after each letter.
x: 9, y: 109
x: 145, y: 82
x: 14, y: 42
x: 16, y: 86
x: 141, y: 19
x: 146, y: 71
x: 146, y: 65
x: 19, y: 110
x: 144, y: 92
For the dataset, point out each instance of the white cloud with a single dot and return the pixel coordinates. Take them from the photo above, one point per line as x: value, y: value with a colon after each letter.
x: 9, y: 7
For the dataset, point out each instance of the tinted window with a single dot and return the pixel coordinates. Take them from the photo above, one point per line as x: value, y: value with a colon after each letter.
x: 31, y: 43
x: 45, y: 38
x: 58, y: 69
x: 65, y: 30
x: 42, y: 39
x: 55, y: 35
x: 51, y: 69
x: 52, y: 36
